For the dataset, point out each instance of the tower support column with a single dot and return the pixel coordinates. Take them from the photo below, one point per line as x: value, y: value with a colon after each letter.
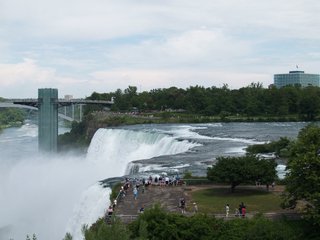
x: 48, y: 119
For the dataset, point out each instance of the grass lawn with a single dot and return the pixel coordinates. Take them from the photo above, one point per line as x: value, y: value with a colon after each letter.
x: 213, y: 200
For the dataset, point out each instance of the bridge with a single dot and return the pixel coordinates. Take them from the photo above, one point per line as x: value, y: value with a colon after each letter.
x: 10, y: 104
x: 47, y: 104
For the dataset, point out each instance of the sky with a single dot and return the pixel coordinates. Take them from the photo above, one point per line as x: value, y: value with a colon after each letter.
x: 82, y: 46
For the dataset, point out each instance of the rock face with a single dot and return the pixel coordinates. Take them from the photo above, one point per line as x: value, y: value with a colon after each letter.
x: 166, y: 196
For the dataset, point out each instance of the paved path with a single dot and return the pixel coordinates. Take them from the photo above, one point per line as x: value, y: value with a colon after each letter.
x: 168, y: 198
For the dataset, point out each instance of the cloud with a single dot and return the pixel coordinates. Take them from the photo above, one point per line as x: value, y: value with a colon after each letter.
x: 74, y: 44
x: 96, y: 20
x: 26, y: 77
x: 24, y: 72
x: 195, y: 48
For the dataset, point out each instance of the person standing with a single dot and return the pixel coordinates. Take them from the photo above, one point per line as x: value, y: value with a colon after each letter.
x: 236, y: 212
x: 227, y: 210
x: 135, y: 193
x: 243, y: 212
x: 183, y: 205
x: 141, y: 210
x: 195, y: 207
x: 110, y: 211
x: 114, y: 204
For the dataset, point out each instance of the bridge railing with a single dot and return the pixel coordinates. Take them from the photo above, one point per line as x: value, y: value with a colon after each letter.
x: 60, y: 101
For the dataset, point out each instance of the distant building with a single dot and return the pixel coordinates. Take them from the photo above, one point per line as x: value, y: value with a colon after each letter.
x: 68, y: 97
x: 296, y: 78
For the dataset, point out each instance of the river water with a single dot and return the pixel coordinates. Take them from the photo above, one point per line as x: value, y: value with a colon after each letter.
x: 51, y: 195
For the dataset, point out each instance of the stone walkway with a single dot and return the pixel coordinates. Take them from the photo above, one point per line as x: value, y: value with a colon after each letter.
x: 168, y: 198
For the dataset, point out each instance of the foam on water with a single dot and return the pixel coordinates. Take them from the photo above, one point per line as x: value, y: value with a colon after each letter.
x: 185, y: 131
x: 242, y: 140
x: 238, y: 150
x: 214, y: 125
x: 281, y: 171
x: 120, y: 147
x: 158, y: 168
x: 29, y: 130
x: 91, y: 206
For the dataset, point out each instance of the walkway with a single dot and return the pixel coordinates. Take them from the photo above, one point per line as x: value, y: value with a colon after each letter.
x: 168, y: 198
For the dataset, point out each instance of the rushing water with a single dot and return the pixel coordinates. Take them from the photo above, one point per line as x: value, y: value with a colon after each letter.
x: 50, y: 195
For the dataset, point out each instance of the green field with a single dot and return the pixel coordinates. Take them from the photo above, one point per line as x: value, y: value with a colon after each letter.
x: 256, y: 200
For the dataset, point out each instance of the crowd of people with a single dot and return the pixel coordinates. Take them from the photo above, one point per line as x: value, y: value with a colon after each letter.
x: 239, y: 212
x: 139, y: 186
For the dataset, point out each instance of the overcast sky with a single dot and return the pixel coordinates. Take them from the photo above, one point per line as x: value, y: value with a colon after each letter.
x: 81, y: 46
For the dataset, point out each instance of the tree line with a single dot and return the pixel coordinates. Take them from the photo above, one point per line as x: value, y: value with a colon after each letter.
x: 155, y: 223
x: 9, y: 116
x: 253, y: 100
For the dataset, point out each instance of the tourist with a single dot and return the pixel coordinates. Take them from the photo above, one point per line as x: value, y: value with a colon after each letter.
x: 109, y: 211
x: 156, y: 181
x: 167, y: 181
x: 243, y: 212
x: 135, y: 193
x: 114, y: 204
x: 183, y: 205
x: 121, y: 193
x: 242, y: 209
x: 227, y: 210
x: 141, y: 210
x: 236, y: 213
x: 177, y: 180
x: 195, y: 207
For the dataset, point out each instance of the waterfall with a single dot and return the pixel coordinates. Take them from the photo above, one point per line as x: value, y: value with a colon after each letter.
x: 109, y: 154
x: 113, y: 149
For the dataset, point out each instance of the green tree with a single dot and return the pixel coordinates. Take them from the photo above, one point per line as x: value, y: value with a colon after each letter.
x: 156, y: 223
x: 68, y: 236
x: 196, y: 98
x: 266, y: 171
x: 310, y: 103
x: 303, y: 178
x: 165, y: 225
x: 11, y: 115
x: 103, y: 231
x: 237, y: 170
x: 275, y: 146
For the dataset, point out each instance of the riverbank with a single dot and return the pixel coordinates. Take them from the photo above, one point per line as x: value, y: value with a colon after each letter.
x: 13, y: 124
